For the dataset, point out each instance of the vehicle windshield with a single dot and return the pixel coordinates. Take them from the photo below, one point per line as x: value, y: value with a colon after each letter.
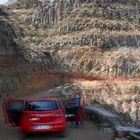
x: 42, y: 105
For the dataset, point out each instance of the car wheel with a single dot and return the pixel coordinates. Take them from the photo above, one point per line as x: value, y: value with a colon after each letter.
x: 23, y: 136
x: 63, y: 134
x: 92, y: 117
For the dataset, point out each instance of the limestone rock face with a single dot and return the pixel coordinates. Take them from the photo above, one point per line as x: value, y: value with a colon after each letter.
x: 65, y: 91
x: 7, y: 35
x: 50, y: 13
x: 11, y: 72
x: 10, y: 2
x: 106, y: 24
x: 2, y: 11
x: 123, y: 98
x: 59, y: 10
x: 19, y: 4
x: 107, y: 64
x: 99, y: 37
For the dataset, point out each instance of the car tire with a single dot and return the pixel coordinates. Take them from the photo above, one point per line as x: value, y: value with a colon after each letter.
x: 23, y: 136
x: 92, y: 117
x: 62, y: 134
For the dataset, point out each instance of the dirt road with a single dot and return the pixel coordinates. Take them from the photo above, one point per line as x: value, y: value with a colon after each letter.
x: 88, y: 132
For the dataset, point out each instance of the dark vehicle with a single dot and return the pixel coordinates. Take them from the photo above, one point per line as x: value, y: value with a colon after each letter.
x: 75, y: 110
x: 36, y: 115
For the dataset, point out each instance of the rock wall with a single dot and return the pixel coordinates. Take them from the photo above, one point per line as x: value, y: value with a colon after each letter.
x: 60, y: 10
x: 106, y: 24
x: 50, y: 14
x: 123, y: 62
x: 109, y: 64
x: 23, y: 4
x: 122, y: 96
x: 10, y: 70
x: 96, y: 38
x: 7, y: 35
x: 2, y: 11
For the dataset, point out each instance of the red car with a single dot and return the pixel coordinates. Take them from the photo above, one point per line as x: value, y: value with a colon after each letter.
x: 36, y: 115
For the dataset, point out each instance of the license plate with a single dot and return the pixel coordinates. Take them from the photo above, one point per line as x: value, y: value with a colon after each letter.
x: 42, y: 127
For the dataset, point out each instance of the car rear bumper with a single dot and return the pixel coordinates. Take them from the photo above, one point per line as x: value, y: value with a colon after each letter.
x: 43, y: 127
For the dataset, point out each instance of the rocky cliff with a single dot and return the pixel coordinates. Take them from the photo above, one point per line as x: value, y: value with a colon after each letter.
x: 94, y: 44
x: 20, y: 65
x: 23, y: 4
x: 10, y: 2
x: 94, y: 33
x: 9, y: 68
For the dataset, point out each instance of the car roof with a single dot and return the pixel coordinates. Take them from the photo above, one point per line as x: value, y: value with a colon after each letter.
x: 43, y: 99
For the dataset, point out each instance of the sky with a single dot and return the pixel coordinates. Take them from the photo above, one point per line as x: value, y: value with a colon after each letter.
x: 3, y: 1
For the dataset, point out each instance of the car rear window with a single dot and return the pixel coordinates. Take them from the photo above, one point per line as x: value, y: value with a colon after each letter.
x: 43, y: 105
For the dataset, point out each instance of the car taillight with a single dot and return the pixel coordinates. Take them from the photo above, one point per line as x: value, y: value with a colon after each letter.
x: 28, y: 116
